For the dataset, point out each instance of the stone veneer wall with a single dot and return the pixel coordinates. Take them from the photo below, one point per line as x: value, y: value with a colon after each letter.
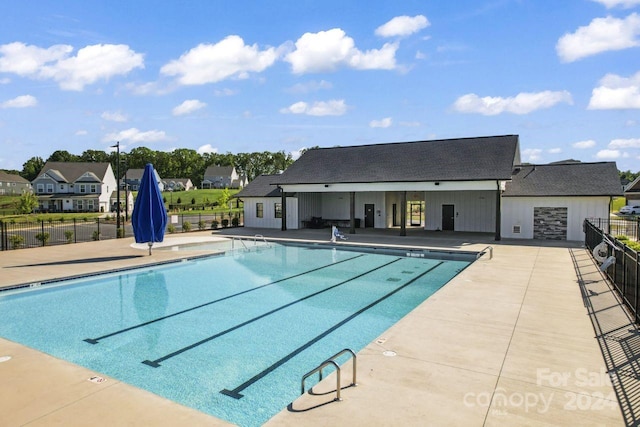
x: 550, y: 223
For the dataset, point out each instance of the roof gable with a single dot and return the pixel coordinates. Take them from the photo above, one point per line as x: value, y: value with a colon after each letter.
x: 219, y: 171
x: 569, y: 179
x: 464, y: 159
x: 633, y: 187
x: 9, y: 177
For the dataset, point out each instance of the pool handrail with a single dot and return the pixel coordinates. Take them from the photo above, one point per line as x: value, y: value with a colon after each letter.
x: 482, y: 252
x: 331, y: 361
x: 261, y: 237
x: 319, y: 370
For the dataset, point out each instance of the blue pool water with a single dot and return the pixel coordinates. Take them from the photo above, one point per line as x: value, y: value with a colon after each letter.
x: 249, y: 323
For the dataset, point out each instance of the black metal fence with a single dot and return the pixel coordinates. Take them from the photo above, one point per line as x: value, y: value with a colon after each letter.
x: 619, y: 227
x: 624, y: 273
x: 18, y: 235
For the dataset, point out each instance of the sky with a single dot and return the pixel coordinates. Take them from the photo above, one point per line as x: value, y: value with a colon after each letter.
x: 245, y: 76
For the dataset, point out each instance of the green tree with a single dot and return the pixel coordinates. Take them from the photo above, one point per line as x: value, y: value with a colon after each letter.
x: 28, y: 202
x: 224, y: 197
x: 98, y: 156
x: 31, y: 168
x: 63, y: 156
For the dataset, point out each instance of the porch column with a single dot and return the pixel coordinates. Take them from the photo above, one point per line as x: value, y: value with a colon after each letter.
x: 403, y: 214
x: 352, y: 212
x: 284, y: 209
x: 498, y: 211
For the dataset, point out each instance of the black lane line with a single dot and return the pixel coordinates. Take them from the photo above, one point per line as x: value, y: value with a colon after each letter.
x: 235, y: 393
x: 96, y: 340
x: 156, y: 363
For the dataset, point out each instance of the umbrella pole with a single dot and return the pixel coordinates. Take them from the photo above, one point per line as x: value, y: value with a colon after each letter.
x: 150, y: 244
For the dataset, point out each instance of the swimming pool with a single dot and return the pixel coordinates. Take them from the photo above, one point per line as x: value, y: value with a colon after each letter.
x: 230, y: 335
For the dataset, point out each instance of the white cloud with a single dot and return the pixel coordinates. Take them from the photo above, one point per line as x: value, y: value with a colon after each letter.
x: 625, y: 4
x: 402, y: 26
x: 81, y: 132
x: 22, y: 101
x: 555, y: 150
x: 523, y: 103
x: 616, y: 92
x: 608, y: 154
x: 384, y: 123
x: 625, y: 143
x: 210, y: 63
x: 5, y: 81
x: 531, y: 154
x: 188, y: 107
x: 207, y: 148
x: 295, y: 154
x: 601, y: 35
x: 584, y: 144
x: 334, y: 107
x: 312, y: 86
x: 92, y: 63
x: 224, y: 92
x: 420, y: 55
x: 328, y: 50
x: 114, y: 116
x: 134, y: 135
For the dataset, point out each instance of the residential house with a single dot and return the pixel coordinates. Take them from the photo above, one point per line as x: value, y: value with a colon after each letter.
x: 177, y: 184
x: 132, y: 178
x: 126, y: 202
x: 74, y: 187
x: 452, y: 185
x: 12, y: 184
x: 632, y: 192
x: 221, y: 177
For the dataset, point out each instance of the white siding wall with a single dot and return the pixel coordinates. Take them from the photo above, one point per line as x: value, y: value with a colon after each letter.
x: 269, y: 220
x: 337, y: 206
x: 519, y: 211
x: 309, y: 204
x: 475, y: 210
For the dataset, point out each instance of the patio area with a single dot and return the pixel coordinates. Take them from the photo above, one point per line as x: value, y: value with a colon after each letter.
x: 525, y: 338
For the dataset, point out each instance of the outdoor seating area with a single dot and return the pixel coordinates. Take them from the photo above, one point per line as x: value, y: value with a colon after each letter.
x: 319, y: 222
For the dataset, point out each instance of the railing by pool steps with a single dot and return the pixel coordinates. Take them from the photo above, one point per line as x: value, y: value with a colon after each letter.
x: 331, y: 362
x: 482, y: 252
x: 255, y: 242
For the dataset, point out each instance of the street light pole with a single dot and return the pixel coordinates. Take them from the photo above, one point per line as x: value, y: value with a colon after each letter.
x: 117, y: 147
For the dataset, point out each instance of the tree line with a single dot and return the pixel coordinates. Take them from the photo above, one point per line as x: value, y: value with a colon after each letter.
x: 180, y: 163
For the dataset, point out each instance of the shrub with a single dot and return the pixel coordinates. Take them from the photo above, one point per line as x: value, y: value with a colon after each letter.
x: 96, y: 235
x: 69, y: 236
x: 622, y: 237
x: 214, y: 224
x: 202, y: 224
x: 120, y: 233
x: 171, y: 228
x: 193, y: 201
x: 634, y: 245
x: 225, y: 222
x: 235, y: 221
x: 16, y: 241
x: 43, y: 238
x: 186, y: 226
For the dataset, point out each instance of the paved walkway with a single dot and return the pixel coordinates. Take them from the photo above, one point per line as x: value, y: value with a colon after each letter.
x: 509, y: 341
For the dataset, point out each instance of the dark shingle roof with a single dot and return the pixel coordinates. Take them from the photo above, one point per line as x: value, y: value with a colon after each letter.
x: 72, y: 171
x: 569, y: 179
x: 9, y: 177
x: 464, y: 159
x: 633, y: 187
x: 261, y: 187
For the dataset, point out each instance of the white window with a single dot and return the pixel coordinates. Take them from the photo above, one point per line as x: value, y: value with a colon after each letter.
x: 79, y: 205
x: 90, y: 205
x: 94, y: 188
x: 83, y: 188
x: 40, y: 188
x: 50, y: 188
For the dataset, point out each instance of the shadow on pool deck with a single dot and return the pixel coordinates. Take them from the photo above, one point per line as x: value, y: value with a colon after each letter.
x: 502, y: 330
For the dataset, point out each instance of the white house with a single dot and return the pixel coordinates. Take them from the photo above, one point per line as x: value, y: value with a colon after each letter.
x: 221, y: 177
x: 74, y: 187
x: 12, y: 184
x: 632, y: 192
x: 263, y: 204
x: 133, y: 177
x: 465, y: 184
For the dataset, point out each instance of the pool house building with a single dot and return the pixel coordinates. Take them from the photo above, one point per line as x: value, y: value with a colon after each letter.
x: 458, y: 185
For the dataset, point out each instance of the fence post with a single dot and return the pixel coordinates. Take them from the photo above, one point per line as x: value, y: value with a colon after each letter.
x: 3, y: 236
x: 75, y: 233
x: 42, y: 231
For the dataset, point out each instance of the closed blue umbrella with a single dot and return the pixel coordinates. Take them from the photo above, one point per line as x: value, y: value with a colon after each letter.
x: 149, y: 217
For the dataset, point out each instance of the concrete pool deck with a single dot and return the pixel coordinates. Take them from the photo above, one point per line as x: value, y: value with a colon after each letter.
x: 509, y: 341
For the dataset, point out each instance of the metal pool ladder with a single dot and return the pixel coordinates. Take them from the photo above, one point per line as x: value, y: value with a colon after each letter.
x: 260, y: 237
x: 331, y: 362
